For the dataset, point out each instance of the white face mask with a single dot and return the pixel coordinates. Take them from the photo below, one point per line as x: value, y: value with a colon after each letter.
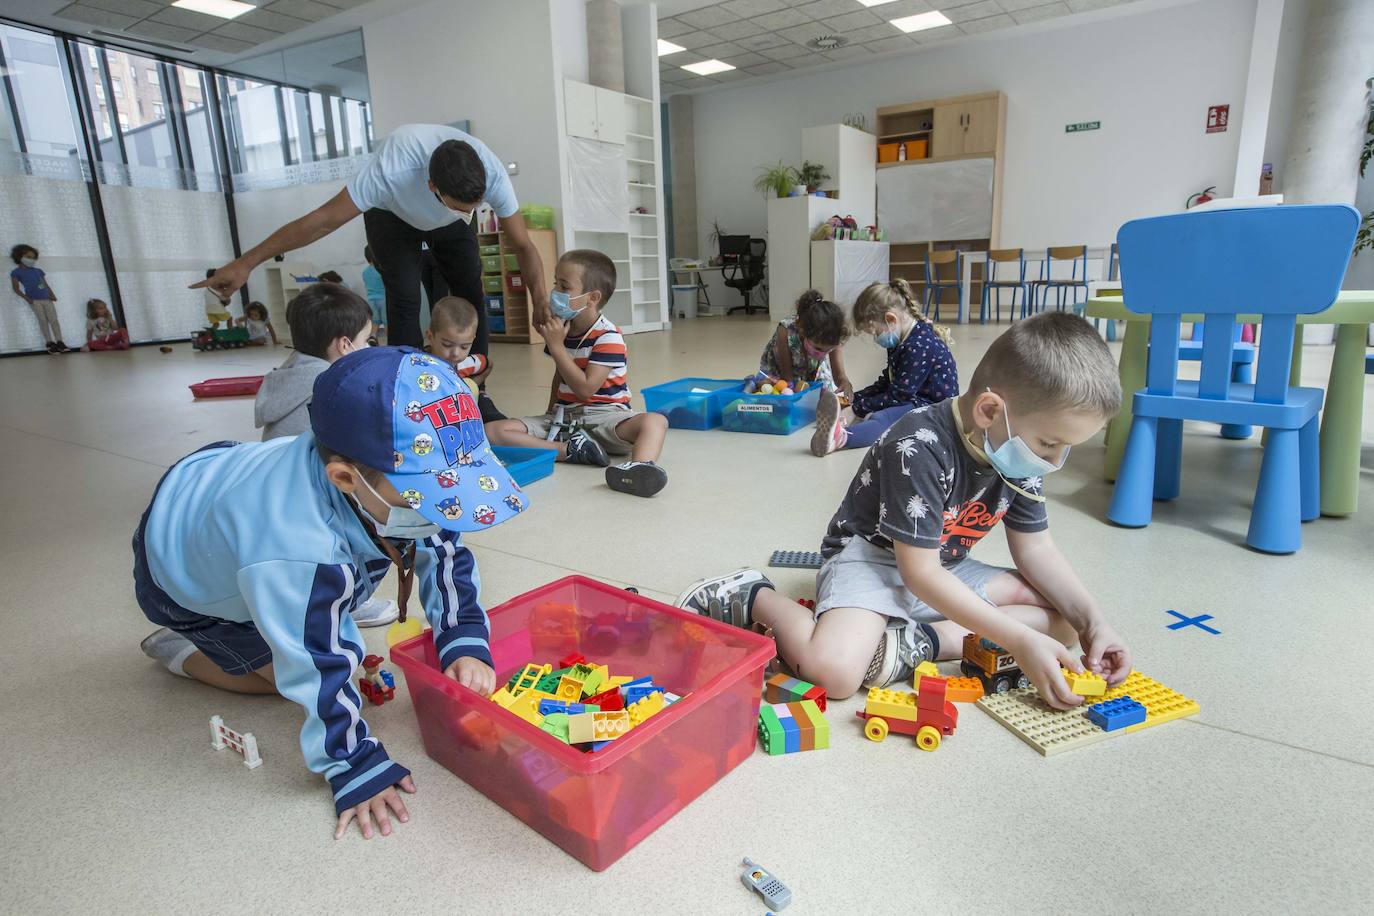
x: 28, y: 262
x: 401, y: 522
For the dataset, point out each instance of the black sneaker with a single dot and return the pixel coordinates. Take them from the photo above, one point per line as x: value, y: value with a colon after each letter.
x: 61, y: 347
x: 638, y: 478
x: 728, y: 598
x: 904, y: 646
x: 583, y: 449
x: 52, y: 347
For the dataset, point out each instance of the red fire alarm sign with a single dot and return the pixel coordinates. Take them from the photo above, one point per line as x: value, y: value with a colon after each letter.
x: 1217, y: 116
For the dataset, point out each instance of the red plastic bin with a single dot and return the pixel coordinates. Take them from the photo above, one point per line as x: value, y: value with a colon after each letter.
x: 227, y: 387
x: 596, y: 806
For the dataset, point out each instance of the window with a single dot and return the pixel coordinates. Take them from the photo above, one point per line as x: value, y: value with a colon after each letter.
x: 191, y: 78
x: 123, y: 121
x: 93, y: 56
x: 116, y: 86
x: 38, y: 84
x: 153, y: 79
x: 100, y: 90
x: 158, y: 111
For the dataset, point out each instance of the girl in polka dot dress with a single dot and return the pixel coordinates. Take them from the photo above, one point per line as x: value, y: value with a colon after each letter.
x: 920, y: 370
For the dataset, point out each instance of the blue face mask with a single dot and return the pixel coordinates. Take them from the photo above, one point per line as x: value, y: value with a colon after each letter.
x: 561, y: 306
x: 1014, y: 459
x: 401, y: 522
x: 888, y: 340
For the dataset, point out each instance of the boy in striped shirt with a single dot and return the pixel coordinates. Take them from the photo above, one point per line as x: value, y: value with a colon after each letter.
x: 589, y: 415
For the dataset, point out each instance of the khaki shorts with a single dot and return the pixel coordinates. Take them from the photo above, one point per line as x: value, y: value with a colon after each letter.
x: 218, y: 316
x: 598, y: 422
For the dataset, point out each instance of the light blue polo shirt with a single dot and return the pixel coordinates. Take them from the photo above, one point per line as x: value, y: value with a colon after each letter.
x: 397, y: 177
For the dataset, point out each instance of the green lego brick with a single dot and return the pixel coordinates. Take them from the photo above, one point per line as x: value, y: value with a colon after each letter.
x: 771, y: 732
x: 591, y: 685
x: 556, y: 724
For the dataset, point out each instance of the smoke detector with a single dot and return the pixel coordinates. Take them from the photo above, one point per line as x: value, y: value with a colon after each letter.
x: 827, y: 42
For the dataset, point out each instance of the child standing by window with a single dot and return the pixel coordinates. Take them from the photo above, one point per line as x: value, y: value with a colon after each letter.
x: 102, y: 332
x: 376, y: 290
x: 807, y: 348
x: 216, y: 309
x: 31, y: 285
x: 259, y: 326
x: 920, y: 370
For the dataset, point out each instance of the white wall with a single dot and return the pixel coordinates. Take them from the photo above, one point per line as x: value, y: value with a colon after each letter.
x: 488, y: 62
x: 260, y: 213
x: 1148, y: 77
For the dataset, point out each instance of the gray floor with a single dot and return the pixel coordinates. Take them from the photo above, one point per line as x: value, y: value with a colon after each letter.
x: 113, y: 800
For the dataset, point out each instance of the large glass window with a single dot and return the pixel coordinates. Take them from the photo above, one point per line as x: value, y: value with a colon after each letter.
x: 255, y: 122
x: 148, y: 139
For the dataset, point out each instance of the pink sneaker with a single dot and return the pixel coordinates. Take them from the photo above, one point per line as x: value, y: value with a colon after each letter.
x: 830, y: 434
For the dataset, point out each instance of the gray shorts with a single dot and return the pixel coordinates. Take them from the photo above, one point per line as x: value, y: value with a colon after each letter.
x: 599, y: 423
x: 864, y: 576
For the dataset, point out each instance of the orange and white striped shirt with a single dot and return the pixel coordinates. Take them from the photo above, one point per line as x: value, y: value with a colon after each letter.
x: 602, y: 345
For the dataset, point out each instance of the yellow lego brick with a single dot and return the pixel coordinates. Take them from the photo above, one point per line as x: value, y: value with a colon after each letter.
x: 607, y: 726
x: 1086, y: 684
x: 643, y: 710
x: 526, y: 706
x: 569, y: 688
x: 528, y: 678
x: 617, y: 681
x: 581, y: 728
x: 1051, y: 731
x: 924, y: 669
x: 502, y: 697
x: 891, y: 704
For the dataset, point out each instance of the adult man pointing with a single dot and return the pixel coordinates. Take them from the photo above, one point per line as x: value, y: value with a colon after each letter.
x: 423, y: 184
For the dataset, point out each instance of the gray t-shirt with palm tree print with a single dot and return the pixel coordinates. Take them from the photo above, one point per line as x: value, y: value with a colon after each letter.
x: 918, y: 484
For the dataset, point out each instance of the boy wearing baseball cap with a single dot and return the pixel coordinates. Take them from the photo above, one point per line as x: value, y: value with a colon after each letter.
x: 251, y: 556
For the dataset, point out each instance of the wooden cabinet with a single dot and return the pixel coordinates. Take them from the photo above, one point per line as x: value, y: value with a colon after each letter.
x: 965, y: 127
x: 515, y: 304
x: 948, y: 137
x: 593, y: 112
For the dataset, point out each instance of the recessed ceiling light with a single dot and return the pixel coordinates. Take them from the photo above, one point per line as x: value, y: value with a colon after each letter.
x: 921, y: 21
x: 874, y: 2
x: 224, y: 9
x: 707, y: 67
x: 667, y: 47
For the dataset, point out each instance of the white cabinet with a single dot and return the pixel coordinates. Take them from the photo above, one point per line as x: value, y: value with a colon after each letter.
x: 593, y: 112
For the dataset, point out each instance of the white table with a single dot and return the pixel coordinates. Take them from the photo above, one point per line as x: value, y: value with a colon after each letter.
x: 1096, y: 256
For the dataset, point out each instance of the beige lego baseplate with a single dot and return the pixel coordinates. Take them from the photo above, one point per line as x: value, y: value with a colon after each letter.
x: 1052, y: 731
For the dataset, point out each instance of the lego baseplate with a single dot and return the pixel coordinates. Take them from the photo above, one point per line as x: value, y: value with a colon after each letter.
x: 796, y: 559
x: 1051, y: 731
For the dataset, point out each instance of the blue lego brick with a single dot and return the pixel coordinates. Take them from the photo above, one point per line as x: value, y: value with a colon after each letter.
x: 598, y: 745
x: 626, y: 687
x: 387, y: 678
x: 551, y: 706
x: 634, y: 694
x: 791, y: 735
x: 1112, y: 715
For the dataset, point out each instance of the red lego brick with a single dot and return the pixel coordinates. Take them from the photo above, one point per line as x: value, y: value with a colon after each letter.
x: 568, y: 661
x: 608, y: 701
x: 817, y: 695
x: 932, y: 693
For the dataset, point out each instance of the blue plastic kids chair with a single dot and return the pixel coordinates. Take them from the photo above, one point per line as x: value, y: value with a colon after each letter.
x: 1279, y: 262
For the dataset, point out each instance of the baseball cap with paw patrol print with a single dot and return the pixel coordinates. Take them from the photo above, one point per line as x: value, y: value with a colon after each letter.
x: 407, y: 414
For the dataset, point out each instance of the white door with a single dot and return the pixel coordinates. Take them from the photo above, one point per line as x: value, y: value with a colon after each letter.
x: 579, y: 109
x: 610, y: 116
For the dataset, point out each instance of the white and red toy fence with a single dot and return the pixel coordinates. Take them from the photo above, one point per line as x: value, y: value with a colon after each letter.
x: 222, y: 736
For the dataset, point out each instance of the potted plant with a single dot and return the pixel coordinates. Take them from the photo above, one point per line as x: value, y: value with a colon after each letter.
x: 775, y: 178
x: 713, y: 240
x: 811, y: 174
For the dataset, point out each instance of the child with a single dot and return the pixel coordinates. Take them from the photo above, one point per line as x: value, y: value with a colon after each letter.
x: 807, y: 347
x: 920, y: 370
x: 331, y: 276
x: 589, y: 411
x: 31, y: 285
x: 102, y: 333
x: 259, y: 326
x: 216, y: 309
x: 327, y: 322
x: 451, y: 333
x: 376, y: 290
x: 251, y: 583
x: 897, y: 577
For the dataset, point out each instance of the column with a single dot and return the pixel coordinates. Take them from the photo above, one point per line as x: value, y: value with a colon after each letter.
x: 605, y: 45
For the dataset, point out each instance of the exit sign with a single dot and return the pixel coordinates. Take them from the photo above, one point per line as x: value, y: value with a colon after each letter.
x: 1081, y: 125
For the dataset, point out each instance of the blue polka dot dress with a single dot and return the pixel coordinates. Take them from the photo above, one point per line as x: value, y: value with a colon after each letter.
x: 919, y: 371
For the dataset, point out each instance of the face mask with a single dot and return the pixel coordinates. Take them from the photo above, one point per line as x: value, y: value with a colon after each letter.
x: 561, y: 306
x: 401, y: 522
x: 1015, y: 459
x: 889, y: 339
x: 814, y: 352
x: 463, y: 216
x: 28, y: 262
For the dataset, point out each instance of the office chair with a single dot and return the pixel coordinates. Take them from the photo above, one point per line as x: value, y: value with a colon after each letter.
x: 742, y: 259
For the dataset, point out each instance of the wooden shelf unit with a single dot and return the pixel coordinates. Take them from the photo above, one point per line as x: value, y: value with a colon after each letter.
x: 517, y: 306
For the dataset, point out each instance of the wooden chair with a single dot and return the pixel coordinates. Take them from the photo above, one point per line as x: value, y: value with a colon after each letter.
x: 944, y: 270
x: 1078, y: 279
x: 992, y: 287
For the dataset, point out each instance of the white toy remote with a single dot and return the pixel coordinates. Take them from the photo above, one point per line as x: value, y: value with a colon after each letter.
x: 773, y: 891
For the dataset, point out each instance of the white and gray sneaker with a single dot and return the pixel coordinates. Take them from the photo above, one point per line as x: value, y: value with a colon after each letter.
x: 904, y: 646
x: 169, y: 649
x: 376, y: 612
x: 728, y: 598
x: 638, y: 478
x: 583, y: 449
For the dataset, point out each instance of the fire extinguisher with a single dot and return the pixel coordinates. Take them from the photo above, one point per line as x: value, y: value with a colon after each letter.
x: 1201, y: 197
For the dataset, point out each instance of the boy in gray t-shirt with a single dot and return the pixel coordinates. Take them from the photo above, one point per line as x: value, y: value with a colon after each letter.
x: 897, y: 586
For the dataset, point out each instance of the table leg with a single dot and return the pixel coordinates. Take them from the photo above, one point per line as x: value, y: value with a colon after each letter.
x: 1341, y: 422
x: 1134, y: 352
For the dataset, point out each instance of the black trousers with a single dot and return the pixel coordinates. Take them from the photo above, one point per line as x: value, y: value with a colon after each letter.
x: 396, y: 253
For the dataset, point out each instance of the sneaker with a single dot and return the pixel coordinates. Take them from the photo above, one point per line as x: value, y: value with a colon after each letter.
x: 52, y: 347
x: 60, y: 347
x: 583, y: 449
x: 168, y: 648
x: 376, y: 612
x: 830, y: 434
x: 903, y: 646
x: 729, y: 598
x: 639, y: 478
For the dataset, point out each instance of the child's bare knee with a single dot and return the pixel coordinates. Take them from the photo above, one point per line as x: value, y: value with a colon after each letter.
x: 656, y: 422
x: 838, y: 682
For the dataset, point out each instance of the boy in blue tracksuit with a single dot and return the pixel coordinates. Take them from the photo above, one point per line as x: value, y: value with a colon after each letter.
x: 252, y: 555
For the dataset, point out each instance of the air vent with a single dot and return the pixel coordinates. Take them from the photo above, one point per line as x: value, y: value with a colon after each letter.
x: 827, y: 42
x: 167, y: 45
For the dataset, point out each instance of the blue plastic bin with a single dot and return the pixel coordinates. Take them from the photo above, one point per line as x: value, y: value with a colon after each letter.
x: 774, y: 414
x: 689, y: 409
x: 525, y: 465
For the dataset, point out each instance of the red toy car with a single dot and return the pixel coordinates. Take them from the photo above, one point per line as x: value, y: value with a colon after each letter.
x: 927, y: 715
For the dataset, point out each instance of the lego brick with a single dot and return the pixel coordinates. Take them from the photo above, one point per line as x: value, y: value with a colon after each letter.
x: 526, y: 706
x: 625, y: 686
x: 783, y: 689
x: 891, y: 704
x: 593, y: 681
x: 1116, y: 714
x: 806, y: 732
x: 582, y: 728
x: 924, y: 669
x: 547, y: 707
x: 556, y: 724
x: 1051, y: 731
x: 790, y: 733
x: 930, y: 693
x: 643, y: 710
x: 1086, y: 684
x: 608, y: 700
x: 819, y: 728
x: 816, y: 695
x: 618, y: 680
x: 528, y: 677
x: 963, y: 689
x: 607, y: 726
x: 549, y: 682
x: 569, y: 688
x: 502, y: 697
x: 635, y: 694
x: 770, y: 732
x: 796, y: 559
x: 571, y: 659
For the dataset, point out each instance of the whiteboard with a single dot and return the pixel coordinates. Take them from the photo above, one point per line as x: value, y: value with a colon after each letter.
x: 939, y: 200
